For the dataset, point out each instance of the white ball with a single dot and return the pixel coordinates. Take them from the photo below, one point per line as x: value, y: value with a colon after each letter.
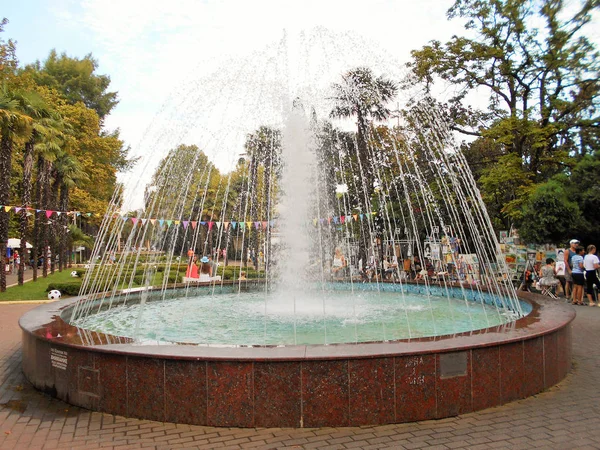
x: 54, y: 295
x: 74, y: 274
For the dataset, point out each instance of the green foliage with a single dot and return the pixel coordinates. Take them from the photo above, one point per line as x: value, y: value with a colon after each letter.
x: 549, y: 215
x: 541, y: 74
x: 76, y: 79
x: 65, y: 288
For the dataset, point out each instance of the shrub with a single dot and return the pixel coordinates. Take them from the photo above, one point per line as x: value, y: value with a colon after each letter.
x: 65, y: 288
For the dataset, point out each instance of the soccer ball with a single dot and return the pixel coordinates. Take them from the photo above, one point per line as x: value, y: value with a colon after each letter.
x: 74, y: 274
x: 54, y: 295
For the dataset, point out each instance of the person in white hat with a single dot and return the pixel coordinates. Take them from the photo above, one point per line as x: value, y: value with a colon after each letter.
x: 571, y: 251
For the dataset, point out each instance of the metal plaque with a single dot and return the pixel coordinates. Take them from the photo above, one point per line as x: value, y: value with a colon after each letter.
x: 453, y: 364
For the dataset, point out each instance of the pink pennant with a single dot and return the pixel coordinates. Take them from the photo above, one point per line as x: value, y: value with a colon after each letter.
x: 194, y: 223
x: 134, y: 220
x: 210, y: 225
x: 264, y: 225
x: 49, y: 213
x: 343, y: 219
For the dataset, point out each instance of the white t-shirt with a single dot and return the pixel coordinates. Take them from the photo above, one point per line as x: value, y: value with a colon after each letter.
x: 589, y: 261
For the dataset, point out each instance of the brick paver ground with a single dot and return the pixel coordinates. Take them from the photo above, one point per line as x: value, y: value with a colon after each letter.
x: 565, y: 417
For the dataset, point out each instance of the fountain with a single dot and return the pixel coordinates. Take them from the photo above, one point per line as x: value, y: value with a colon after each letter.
x: 422, y: 321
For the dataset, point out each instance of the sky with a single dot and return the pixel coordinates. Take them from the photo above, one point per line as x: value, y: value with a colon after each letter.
x: 151, y: 48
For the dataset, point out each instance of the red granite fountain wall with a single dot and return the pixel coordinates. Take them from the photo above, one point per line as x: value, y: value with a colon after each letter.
x: 299, y: 386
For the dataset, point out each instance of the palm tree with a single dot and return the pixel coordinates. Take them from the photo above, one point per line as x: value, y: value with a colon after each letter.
x: 43, y: 116
x: 13, y: 123
x: 363, y: 95
x: 51, y: 141
x: 68, y: 173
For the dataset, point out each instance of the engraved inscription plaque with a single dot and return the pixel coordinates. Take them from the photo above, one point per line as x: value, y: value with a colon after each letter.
x: 453, y: 364
x: 88, y: 380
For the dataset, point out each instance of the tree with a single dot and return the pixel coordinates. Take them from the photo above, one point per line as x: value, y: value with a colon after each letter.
x: 542, y: 81
x: 76, y: 80
x: 14, y: 123
x: 8, y: 57
x: 365, y: 96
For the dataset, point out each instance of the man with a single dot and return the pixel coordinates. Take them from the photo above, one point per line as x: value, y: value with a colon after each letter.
x: 569, y: 268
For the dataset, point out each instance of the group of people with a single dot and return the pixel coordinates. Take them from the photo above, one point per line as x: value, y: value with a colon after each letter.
x: 581, y: 265
x: 202, y: 273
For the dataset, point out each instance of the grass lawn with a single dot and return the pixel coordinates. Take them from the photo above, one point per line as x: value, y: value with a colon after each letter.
x: 35, y: 290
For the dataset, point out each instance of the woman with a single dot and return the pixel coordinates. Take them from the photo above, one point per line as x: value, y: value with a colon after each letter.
x: 205, y: 269
x: 591, y: 263
x: 192, y: 270
x: 339, y: 263
x: 577, y: 274
x: 548, y: 274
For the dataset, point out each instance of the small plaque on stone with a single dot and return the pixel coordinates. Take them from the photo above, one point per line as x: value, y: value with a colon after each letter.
x: 453, y: 364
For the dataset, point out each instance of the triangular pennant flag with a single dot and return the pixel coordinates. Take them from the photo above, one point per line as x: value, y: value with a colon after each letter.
x: 78, y: 214
x: 257, y: 225
x: 48, y: 212
x: 225, y: 225
x: 7, y: 208
x: 88, y: 214
x: 185, y: 224
x: 374, y: 213
x: 202, y: 223
x: 161, y: 222
x: 315, y: 222
x: 58, y: 213
x: 169, y: 222
x: 336, y: 219
x: 124, y: 218
x: 242, y: 225
x: 361, y: 217
x: 17, y: 209
x: 342, y: 219
x: 329, y: 220
x: 134, y: 220
x: 348, y: 218
x: 355, y: 217
x: 249, y: 225
x: 219, y: 224
x: 272, y: 223
x: 233, y: 224
x: 194, y: 223
x: 152, y: 221
x: 177, y: 222
x: 322, y: 221
x: 144, y: 221
x: 38, y: 210
x: 210, y: 225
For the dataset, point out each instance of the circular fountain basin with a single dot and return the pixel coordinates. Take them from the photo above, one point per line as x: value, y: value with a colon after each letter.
x: 224, y: 316
x: 348, y: 384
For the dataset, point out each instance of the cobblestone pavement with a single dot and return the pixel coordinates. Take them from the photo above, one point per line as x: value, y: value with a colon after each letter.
x: 565, y: 417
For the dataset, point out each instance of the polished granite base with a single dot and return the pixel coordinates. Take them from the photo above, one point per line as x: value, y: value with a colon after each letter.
x: 299, y: 386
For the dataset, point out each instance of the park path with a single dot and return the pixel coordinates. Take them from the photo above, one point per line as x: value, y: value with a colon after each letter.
x: 565, y: 417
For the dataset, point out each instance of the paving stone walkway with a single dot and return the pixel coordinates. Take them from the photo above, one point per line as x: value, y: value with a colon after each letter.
x: 564, y: 417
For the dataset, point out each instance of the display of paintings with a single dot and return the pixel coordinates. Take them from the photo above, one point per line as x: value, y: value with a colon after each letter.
x: 510, y: 258
x: 503, y: 236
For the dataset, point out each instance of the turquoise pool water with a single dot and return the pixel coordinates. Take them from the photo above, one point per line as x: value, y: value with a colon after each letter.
x: 257, y: 318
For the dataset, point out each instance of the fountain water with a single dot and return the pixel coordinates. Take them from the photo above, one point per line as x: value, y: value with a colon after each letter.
x: 391, y: 198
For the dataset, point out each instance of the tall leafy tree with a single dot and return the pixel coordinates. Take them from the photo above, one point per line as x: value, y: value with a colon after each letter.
x: 77, y: 80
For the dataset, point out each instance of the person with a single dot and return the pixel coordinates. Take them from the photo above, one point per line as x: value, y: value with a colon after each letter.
x: 242, y: 275
x: 548, y: 274
x: 192, y: 270
x: 339, y: 263
x: 577, y: 275
x: 205, y: 269
x: 389, y: 268
x: 591, y: 263
x: 568, y: 255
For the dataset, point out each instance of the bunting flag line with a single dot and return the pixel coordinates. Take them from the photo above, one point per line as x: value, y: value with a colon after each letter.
x: 220, y: 225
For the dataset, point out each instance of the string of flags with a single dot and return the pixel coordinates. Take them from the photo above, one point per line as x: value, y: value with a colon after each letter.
x: 49, y: 212
x: 263, y: 224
